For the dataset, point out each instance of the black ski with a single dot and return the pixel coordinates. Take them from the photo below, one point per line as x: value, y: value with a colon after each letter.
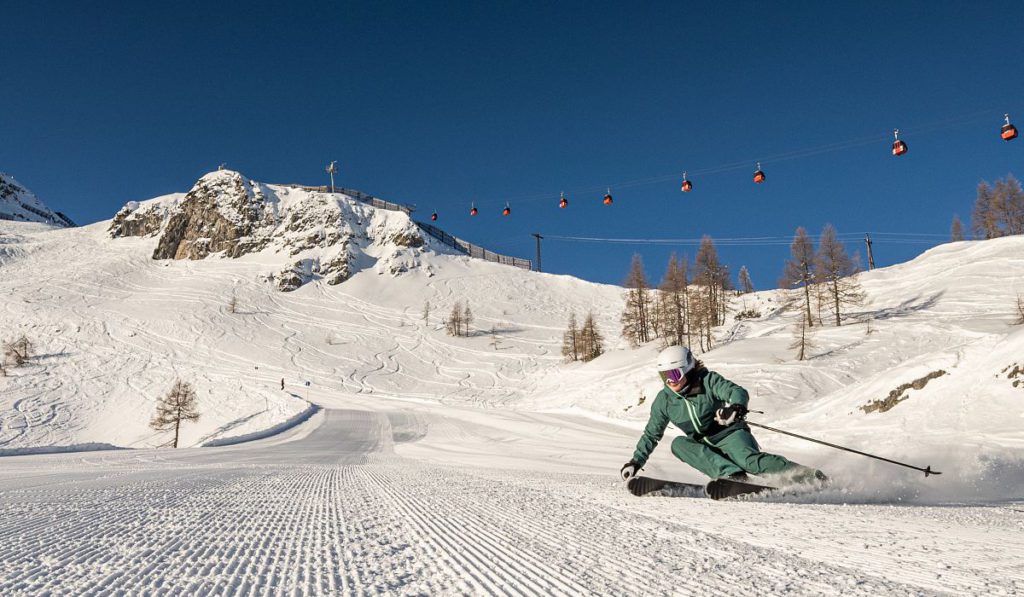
x: 639, y: 486
x: 720, y: 489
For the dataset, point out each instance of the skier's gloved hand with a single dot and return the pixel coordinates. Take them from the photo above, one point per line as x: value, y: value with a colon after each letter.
x: 629, y: 470
x: 730, y: 413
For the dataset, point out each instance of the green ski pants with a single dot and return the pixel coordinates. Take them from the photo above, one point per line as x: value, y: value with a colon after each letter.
x: 722, y: 456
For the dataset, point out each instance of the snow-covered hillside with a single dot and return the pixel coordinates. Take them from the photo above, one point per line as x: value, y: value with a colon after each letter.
x: 21, y: 205
x: 114, y: 327
x: 433, y: 464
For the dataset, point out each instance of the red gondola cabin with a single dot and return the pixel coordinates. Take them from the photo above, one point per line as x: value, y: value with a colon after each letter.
x: 472, y: 210
x: 898, y: 147
x: 507, y: 210
x: 433, y: 217
x: 759, y: 174
x: 1008, y: 131
x: 563, y: 202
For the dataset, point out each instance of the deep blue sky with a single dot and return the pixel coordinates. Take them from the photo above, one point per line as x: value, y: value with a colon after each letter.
x: 439, y: 104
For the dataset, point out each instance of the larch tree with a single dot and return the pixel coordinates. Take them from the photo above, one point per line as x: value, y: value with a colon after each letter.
x: 956, y: 229
x: 802, y: 338
x: 467, y: 319
x: 672, y: 303
x: 746, y: 284
x: 998, y: 210
x: 712, y: 276
x: 454, y: 322
x: 591, y: 341
x: 177, y: 407
x: 636, y: 317
x: 799, y: 269
x: 835, y: 271
x: 571, y: 340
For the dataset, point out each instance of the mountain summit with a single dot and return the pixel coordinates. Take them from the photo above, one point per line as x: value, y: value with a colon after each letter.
x: 20, y: 204
x: 317, y: 235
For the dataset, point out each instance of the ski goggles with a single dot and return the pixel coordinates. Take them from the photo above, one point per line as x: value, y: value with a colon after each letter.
x: 675, y: 376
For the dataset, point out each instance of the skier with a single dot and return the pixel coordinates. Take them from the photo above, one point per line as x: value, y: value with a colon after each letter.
x: 709, y: 410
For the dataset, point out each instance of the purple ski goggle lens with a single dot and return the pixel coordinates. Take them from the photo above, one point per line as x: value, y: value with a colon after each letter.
x: 673, y: 375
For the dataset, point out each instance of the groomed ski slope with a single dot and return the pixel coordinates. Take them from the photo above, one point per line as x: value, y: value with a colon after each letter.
x: 484, y: 464
x: 365, y: 500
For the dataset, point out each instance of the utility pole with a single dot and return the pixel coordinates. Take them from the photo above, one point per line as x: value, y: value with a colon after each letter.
x: 871, y: 257
x: 332, y: 168
x: 538, y: 237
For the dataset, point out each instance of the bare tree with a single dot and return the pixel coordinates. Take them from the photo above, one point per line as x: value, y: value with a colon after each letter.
x: 956, y: 229
x: 454, y: 322
x: 713, y: 277
x: 467, y: 319
x: 835, y: 271
x: 592, y: 343
x: 17, y: 352
x: 636, y: 317
x: 571, y: 340
x: 999, y: 209
x: 746, y: 284
x: 672, y: 324
x: 426, y: 312
x: 1020, y: 310
x: 178, y: 406
x: 799, y: 270
x: 233, y: 303
x: 802, y: 338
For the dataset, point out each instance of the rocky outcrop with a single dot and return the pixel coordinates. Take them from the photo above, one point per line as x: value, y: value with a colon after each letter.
x: 223, y: 213
x: 133, y: 220
x: 321, y: 236
x: 20, y: 204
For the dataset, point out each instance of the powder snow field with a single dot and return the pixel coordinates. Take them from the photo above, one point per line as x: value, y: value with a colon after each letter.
x: 485, y: 464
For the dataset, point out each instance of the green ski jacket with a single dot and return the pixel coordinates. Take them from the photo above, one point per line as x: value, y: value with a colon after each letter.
x: 693, y: 412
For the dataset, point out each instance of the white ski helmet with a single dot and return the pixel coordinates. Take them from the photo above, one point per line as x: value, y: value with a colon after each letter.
x: 676, y: 357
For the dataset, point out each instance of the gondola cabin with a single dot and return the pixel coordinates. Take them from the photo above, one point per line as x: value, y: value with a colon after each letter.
x: 433, y: 217
x: 1008, y: 131
x: 759, y: 174
x: 687, y: 186
x: 563, y: 202
x: 608, y: 199
x: 898, y: 147
x: 473, y: 211
x: 507, y: 210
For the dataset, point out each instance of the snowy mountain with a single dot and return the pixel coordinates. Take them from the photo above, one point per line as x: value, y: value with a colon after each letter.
x: 21, y: 205
x: 482, y: 464
x: 324, y: 236
x: 147, y: 296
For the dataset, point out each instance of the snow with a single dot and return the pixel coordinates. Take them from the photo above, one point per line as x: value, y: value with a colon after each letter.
x: 17, y: 203
x: 415, y: 462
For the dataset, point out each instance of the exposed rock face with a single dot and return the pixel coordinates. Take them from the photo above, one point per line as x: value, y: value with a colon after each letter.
x: 223, y: 213
x: 134, y: 220
x: 325, y: 236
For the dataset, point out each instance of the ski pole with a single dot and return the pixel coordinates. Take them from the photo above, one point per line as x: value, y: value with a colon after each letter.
x: 927, y: 470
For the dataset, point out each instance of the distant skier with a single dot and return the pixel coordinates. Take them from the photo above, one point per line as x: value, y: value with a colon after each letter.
x: 709, y: 409
x: 282, y: 383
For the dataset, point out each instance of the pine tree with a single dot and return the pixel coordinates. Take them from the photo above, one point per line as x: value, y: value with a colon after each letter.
x: 571, y: 340
x: 592, y: 341
x: 799, y: 270
x: 835, y: 270
x: 956, y: 229
x: 746, y: 285
x: 177, y: 406
x: 636, y: 317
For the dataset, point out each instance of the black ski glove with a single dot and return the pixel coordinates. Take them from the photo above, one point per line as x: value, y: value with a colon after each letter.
x: 730, y: 413
x: 629, y: 470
